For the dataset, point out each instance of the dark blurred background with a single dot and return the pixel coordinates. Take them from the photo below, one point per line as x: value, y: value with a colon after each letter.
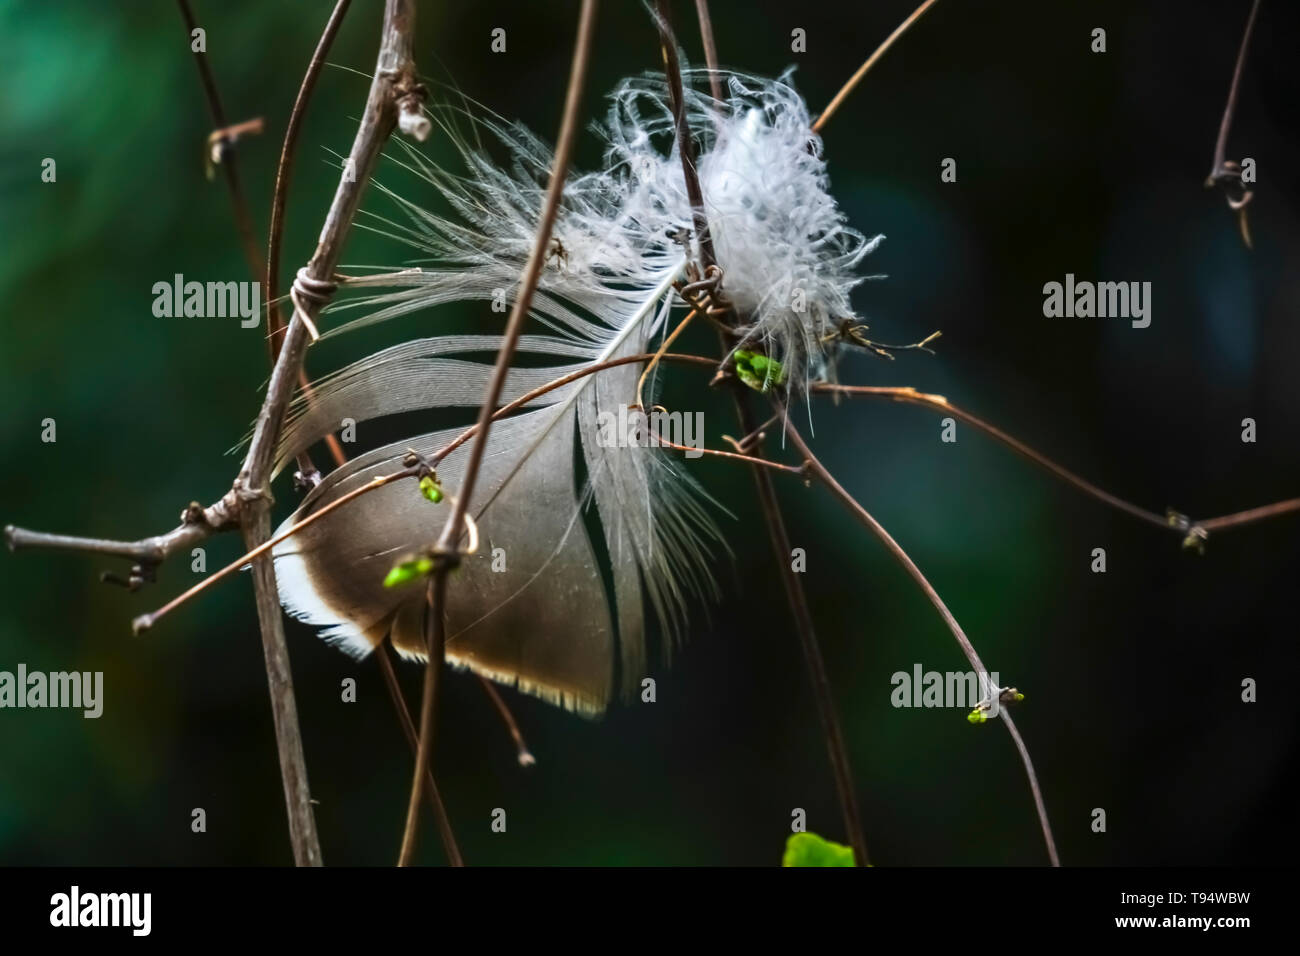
x: 1068, y: 161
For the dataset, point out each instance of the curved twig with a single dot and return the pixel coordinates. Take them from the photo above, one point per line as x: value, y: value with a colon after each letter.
x: 820, y: 472
x: 848, y: 87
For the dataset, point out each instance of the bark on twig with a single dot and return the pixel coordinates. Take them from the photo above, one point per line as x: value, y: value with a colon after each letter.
x: 391, y: 91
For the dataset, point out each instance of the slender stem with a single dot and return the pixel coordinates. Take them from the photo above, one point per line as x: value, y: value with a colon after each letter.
x: 522, y: 753
x: 710, y: 48
x: 1225, y: 124
x: 640, y: 382
x: 284, y: 710
x: 848, y: 87
x: 1254, y: 514
x: 733, y: 456
x: 938, y: 403
x: 685, y: 144
x: 449, y: 845
x: 275, y: 315
x: 865, y: 517
x: 196, y: 525
x: 229, y: 167
x: 146, y: 621
x: 446, y: 544
x: 1039, y: 805
x: 243, y: 221
x: 436, y: 630
x: 836, y: 748
x: 284, y: 172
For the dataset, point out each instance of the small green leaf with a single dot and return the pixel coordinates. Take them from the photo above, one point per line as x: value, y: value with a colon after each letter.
x: 808, y: 849
x: 757, y: 370
x: 429, y: 488
x: 408, y: 571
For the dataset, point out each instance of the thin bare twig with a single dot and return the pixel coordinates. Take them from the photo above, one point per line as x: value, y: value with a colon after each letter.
x: 408, y: 727
x: 284, y: 171
x: 710, y: 48
x: 1169, y: 521
x: 1039, y: 805
x: 1224, y: 172
x: 522, y: 753
x: 276, y: 334
x: 243, y: 221
x: 685, y: 143
x: 848, y: 87
x: 865, y: 517
x: 197, y: 523
x: 1250, y: 516
x: 446, y: 547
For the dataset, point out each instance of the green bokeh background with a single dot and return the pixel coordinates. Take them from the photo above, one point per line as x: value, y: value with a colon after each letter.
x: 1068, y: 161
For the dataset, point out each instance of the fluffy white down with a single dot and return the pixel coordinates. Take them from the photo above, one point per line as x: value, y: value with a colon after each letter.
x: 788, y: 257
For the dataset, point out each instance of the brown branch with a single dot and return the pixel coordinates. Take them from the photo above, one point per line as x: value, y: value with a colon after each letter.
x: 275, y: 336
x: 283, y: 173
x: 197, y: 523
x: 685, y: 144
x: 1225, y: 124
x: 223, y: 139
x: 404, y: 717
x: 865, y: 517
x: 710, y: 48
x: 243, y: 221
x: 522, y: 753
x: 848, y: 87
x: 1224, y: 172
x: 796, y: 470
x: 392, y: 91
x: 446, y: 547
x: 1169, y: 521
x: 1034, y: 789
x: 1252, y: 515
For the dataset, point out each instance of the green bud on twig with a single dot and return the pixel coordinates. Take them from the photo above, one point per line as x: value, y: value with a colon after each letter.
x: 408, y: 570
x: 757, y: 370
